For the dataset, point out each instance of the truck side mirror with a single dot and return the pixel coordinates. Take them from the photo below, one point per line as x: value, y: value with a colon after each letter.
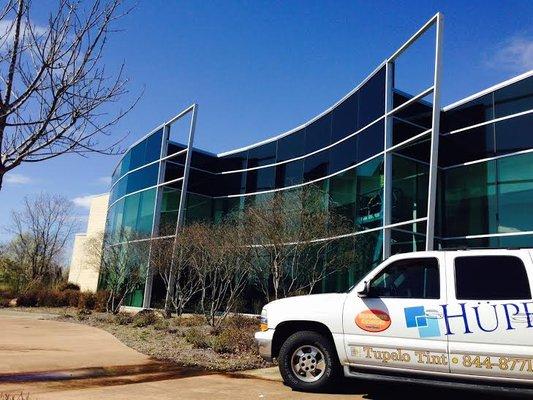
x: 363, y: 289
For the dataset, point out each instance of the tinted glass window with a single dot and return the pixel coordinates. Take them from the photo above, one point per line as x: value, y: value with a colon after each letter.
x: 371, y: 99
x: 231, y: 183
x: 289, y: 174
x: 316, y: 166
x: 234, y: 161
x: 153, y: 147
x: 137, y: 155
x: 491, y: 278
x: 514, y: 134
x: 343, y: 155
x: 469, y: 145
x: 201, y: 182
x: 471, y: 113
x: 318, y: 134
x: 408, y: 279
x: 204, y: 161
x: 417, y: 113
x: 370, y: 141
x: 262, y: 155
x: 403, y: 130
x: 291, y: 146
x: 173, y: 171
x: 260, y: 179
x: 515, y: 98
x: 344, y: 120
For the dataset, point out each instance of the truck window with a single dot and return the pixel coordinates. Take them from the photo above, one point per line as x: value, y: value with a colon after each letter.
x: 417, y: 278
x: 491, y: 278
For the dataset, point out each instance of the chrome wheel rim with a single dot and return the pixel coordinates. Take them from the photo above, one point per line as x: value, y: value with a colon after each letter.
x: 308, y: 363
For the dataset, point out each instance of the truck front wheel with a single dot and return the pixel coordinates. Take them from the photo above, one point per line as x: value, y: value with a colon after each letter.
x: 307, y: 361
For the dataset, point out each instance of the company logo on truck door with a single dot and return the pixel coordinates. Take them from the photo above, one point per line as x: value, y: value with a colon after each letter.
x: 415, y: 317
x: 373, y: 320
x: 463, y: 318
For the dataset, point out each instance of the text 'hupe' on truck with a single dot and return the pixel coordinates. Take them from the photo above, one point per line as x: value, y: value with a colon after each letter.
x: 442, y: 317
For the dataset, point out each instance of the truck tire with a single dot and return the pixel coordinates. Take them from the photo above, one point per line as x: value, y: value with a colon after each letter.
x: 308, y: 361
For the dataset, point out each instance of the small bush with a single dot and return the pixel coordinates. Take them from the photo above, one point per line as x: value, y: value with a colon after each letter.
x: 123, y: 318
x: 162, y: 325
x: 191, y: 320
x: 145, y: 318
x: 101, y: 301
x: 28, y: 299
x: 233, y: 338
x: 4, y: 303
x: 87, y: 301
x: 197, y: 338
x: 242, y: 321
x: 68, y: 286
x: 14, y: 396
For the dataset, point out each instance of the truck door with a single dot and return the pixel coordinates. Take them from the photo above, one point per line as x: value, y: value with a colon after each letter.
x: 489, y: 316
x: 398, y: 324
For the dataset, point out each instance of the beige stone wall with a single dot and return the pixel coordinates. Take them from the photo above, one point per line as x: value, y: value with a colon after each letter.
x: 82, y: 271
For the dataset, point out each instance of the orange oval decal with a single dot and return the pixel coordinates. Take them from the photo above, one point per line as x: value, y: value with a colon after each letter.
x: 373, y: 320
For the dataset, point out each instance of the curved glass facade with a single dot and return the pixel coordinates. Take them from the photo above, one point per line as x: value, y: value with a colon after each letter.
x: 372, y: 153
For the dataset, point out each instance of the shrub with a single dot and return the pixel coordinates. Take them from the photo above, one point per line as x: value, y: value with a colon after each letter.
x: 28, y: 299
x: 242, y: 321
x: 68, y: 286
x: 87, y: 301
x: 197, y: 338
x: 145, y: 318
x: 4, y: 303
x: 71, y: 298
x: 191, y: 320
x: 123, y: 318
x: 235, y: 338
x: 162, y: 325
x: 101, y: 300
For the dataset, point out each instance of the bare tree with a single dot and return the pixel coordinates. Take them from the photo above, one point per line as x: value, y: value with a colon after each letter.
x: 123, y: 266
x: 41, y: 230
x: 53, y: 87
x: 220, y: 261
x: 181, y: 282
x: 295, y: 238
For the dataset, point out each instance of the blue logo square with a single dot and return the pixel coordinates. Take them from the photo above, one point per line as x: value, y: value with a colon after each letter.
x: 411, y: 313
x: 415, y: 317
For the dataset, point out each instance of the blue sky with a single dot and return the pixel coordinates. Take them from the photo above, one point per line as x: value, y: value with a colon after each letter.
x: 258, y: 68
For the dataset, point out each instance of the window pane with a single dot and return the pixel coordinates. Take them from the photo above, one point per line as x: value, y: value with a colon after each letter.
x: 234, y: 183
x: 289, y: 174
x: 407, y: 238
x: 342, y: 191
x: 470, y: 145
x: 470, y: 200
x: 344, y: 120
x: 318, y: 134
x: 471, y: 113
x: 260, y: 179
x: 131, y: 209
x: 504, y: 278
x: 409, y: 189
x: 234, y: 161
x: 291, y: 146
x: 143, y: 178
x: 343, y: 155
x: 202, y: 182
x: 146, y: 212
x: 316, y: 166
x: 198, y: 208
x: 515, y: 193
x: 371, y: 99
x: 204, y: 161
x: 370, y: 141
x: 514, y: 134
x: 173, y: 170
x: 153, y: 147
x: 408, y: 279
x: 137, y: 155
x: 514, y: 98
x: 403, y: 130
x: 369, y: 194
x: 262, y: 155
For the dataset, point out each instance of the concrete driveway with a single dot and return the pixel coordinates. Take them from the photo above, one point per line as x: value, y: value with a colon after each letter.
x: 58, y: 360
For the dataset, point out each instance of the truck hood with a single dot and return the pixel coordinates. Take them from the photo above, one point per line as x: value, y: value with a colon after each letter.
x: 316, y: 307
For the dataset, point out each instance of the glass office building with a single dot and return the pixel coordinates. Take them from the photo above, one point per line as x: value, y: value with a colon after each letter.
x: 408, y: 174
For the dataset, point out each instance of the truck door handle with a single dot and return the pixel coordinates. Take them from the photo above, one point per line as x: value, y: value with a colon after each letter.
x: 433, y: 314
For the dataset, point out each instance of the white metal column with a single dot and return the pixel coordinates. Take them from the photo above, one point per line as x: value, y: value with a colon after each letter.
x: 387, y: 161
x: 435, y: 132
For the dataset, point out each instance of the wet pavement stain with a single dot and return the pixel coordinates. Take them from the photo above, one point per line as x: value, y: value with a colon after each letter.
x: 82, y: 378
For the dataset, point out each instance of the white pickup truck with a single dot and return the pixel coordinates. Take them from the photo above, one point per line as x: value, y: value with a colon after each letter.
x: 441, y: 317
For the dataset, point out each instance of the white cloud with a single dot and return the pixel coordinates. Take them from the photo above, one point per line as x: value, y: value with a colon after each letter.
x: 104, y: 180
x: 83, y: 201
x: 6, y: 27
x: 16, y: 179
x: 514, y: 54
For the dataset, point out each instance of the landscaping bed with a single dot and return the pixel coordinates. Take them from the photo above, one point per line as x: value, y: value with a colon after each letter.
x: 186, y: 341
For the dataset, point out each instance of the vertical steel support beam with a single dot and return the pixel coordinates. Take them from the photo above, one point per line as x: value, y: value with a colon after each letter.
x: 156, y: 217
x: 387, y: 160
x: 183, y: 198
x: 183, y: 195
x: 435, y: 132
